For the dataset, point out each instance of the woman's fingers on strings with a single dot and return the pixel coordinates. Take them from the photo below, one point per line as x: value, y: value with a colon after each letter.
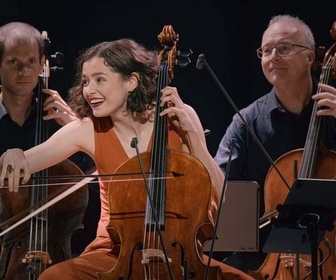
x: 3, y: 176
x: 14, y: 180
x: 14, y: 167
x: 170, y: 111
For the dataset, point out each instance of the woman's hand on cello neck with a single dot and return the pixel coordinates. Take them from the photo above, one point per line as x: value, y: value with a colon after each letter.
x: 191, y: 131
x: 13, y: 167
x: 176, y: 110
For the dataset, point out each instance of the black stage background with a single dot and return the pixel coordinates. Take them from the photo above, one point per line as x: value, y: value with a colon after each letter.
x: 227, y: 32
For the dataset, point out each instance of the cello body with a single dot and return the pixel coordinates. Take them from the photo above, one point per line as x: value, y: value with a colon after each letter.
x: 23, y: 258
x: 314, y: 161
x: 285, y: 266
x: 163, y: 203
x: 45, y: 239
x: 189, y: 221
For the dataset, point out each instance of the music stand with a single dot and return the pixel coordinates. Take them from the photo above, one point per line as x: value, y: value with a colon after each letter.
x: 308, y: 211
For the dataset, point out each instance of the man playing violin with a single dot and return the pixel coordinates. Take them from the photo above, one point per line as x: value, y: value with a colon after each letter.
x: 279, y: 119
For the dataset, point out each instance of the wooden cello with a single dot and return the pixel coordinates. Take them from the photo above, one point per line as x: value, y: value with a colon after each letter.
x: 155, y: 220
x: 314, y: 161
x: 28, y: 249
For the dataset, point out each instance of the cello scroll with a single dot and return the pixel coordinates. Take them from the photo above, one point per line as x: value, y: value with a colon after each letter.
x: 332, y: 50
x: 170, y: 55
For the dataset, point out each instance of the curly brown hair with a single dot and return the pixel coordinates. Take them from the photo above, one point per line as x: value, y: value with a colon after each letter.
x: 125, y: 56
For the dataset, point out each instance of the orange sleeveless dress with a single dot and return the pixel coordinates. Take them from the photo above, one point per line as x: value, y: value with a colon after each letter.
x: 99, y: 255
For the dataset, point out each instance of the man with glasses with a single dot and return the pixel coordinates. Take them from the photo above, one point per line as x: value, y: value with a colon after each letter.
x: 280, y: 118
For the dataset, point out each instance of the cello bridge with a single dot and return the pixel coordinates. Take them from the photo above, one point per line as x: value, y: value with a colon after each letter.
x: 153, y: 255
x: 289, y: 259
x: 37, y: 256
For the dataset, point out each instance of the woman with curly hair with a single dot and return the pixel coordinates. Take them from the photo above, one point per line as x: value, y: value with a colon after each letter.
x: 115, y: 96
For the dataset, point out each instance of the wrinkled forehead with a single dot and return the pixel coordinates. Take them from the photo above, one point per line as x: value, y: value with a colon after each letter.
x: 19, y: 38
x: 18, y: 48
x: 281, y: 32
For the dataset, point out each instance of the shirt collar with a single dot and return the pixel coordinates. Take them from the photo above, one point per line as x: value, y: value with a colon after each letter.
x: 3, y: 110
x: 273, y: 101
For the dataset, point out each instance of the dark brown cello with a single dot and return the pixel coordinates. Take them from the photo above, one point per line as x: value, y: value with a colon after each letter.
x: 314, y: 161
x: 159, y: 225
x: 32, y: 246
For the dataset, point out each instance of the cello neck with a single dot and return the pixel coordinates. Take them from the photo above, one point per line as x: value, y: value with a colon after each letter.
x: 158, y: 160
x: 312, y: 143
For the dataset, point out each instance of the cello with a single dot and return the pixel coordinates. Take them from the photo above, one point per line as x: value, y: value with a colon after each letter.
x: 314, y: 161
x: 28, y: 249
x: 159, y: 228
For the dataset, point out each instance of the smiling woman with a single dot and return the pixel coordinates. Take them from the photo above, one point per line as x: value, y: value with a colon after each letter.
x: 115, y: 94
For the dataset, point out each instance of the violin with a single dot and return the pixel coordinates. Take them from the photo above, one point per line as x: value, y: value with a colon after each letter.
x: 161, y: 228
x: 44, y: 239
x: 314, y: 161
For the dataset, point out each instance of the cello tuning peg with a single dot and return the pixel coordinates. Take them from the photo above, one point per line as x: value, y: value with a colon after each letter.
x: 207, y: 132
x: 185, y: 53
x: 319, y: 55
x: 58, y: 58
x: 183, y: 57
x: 183, y: 61
x: 56, y: 69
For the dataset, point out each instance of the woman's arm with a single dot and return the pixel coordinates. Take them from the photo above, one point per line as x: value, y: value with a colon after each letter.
x: 73, y: 137
x: 186, y: 121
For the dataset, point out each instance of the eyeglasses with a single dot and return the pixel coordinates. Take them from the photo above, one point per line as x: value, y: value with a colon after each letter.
x: 281, y: 49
